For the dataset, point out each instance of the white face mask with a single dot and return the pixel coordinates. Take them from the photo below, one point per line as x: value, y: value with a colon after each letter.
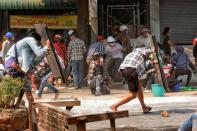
x: 112, y: 44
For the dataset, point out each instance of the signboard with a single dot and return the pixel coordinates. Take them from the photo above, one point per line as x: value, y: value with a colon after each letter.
x: 52, y: 21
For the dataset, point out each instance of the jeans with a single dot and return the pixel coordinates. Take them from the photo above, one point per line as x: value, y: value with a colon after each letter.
x: 187, y: 125
x: 96, y: 83
x: 77, y: 70
x: 44, y: 83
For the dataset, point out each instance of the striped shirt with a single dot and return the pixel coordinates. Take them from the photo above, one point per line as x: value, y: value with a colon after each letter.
x: 76, y: 49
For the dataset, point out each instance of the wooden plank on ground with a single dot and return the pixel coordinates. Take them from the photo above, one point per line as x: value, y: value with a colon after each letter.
x: 52, y: 109
x: 59, y: 103
x: 98, y: 117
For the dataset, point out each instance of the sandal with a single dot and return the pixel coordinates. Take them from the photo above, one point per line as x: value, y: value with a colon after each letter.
x: 147, y: 110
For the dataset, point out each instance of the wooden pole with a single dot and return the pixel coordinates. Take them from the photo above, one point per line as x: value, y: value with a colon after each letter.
x: 83, y: 18
x: 19, y: 99
x: 159, y: 58
x: 113, y: 124
x: 30, y: 101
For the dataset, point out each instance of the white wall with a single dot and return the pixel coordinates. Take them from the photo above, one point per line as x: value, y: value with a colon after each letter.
x: 154, y: 19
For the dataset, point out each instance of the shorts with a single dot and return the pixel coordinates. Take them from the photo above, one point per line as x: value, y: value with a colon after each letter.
x: 131, y: 77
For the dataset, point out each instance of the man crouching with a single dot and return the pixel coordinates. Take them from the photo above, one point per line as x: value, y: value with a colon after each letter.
x: 97, y: 84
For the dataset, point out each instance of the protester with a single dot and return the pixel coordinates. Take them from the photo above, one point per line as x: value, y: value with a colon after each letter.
x: 95, y: 77
x: 149, y: 66
x: 20, y: 59
x: 169, y: 72
x: 47, y: 81
x: 133, y: 70
x: 76, y: 52
x: 182, y: 64
x: 2, y: 68
x: 60, y: 47
x: 143, y: 38
x: 125, y: 40
x: 98, y: 47
x: 114, y: 50
x: 195, y: 49
x: 7, y: 44
x: 115, y: 33
x: 189, y: 124
x: 167, y: 43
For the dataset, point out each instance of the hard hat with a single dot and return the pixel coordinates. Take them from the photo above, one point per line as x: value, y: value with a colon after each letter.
x: 123, y: 27
x: 100, y: 37
x: 70, y: 32
x: 145, y: 30
x: 110, y: 39
x: 9, y: 35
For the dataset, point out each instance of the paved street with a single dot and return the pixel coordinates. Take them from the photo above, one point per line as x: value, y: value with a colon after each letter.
x: 180, y: 106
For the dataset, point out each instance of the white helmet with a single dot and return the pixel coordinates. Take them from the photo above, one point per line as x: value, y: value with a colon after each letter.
x: 70, y: 32
x: 110, y: 39
x: 123, y: 27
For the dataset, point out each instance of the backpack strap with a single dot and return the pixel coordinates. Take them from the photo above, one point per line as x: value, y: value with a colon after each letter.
x: 16, y: 54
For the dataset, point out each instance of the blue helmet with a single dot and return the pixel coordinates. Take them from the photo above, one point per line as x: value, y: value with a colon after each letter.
x: 9, y: 35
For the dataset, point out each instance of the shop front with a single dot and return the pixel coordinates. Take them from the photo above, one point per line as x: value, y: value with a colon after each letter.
x: 19, y: 15
x: 57, y: 24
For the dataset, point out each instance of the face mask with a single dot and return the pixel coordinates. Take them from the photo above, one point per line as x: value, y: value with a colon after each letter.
x: 112, y: 44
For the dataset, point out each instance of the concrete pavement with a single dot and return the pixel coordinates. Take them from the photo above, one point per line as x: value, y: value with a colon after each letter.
x: 180, y: 106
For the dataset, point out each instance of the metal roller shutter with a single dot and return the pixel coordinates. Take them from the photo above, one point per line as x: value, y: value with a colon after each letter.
x: 181, y: 16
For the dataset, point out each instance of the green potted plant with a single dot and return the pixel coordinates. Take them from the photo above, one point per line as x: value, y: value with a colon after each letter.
x: 11, y: 118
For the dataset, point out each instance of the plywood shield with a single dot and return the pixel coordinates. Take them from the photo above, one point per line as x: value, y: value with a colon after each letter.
x: 53, y: 60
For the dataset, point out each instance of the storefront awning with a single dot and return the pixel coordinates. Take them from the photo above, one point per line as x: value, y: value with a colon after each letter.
x: 37, y: 4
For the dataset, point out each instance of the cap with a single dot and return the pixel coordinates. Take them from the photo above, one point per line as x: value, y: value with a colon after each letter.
x: 9, y: 35
x: 110, y: 39
x: 123, y: 27
x: 70, y: 32
x: 100, y: 37
x: 145, y: 30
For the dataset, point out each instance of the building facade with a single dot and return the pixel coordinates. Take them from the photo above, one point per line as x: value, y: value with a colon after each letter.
x: 180, y: 15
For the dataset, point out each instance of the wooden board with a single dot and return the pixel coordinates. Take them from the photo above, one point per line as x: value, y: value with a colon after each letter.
x: 98, y: 117
x: 59, y: 103
x: 159, y: 67
x: 53, y: 118
x: 52, y: 109
x: 53, y: 60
